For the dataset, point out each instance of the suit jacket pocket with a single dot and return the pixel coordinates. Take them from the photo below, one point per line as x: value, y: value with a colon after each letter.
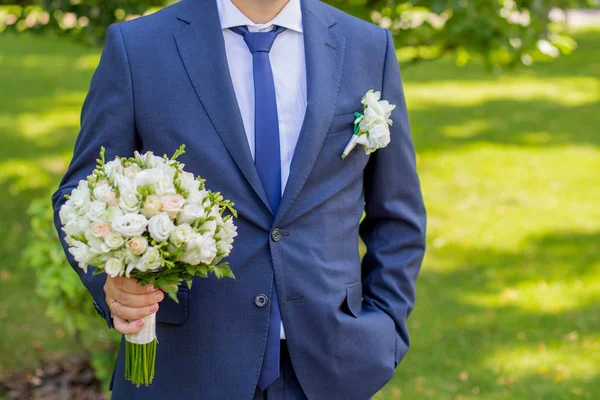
x: 172, y: 312
x: 342, y: 123
x: 354, y: 298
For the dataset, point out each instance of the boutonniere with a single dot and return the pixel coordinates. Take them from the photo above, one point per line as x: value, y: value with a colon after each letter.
x: 372, y: 127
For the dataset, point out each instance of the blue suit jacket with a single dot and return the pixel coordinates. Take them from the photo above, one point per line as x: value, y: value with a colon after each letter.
x: 163, y: 80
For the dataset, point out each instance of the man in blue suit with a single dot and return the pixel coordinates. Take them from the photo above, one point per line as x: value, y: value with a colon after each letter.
x: 263, y: 94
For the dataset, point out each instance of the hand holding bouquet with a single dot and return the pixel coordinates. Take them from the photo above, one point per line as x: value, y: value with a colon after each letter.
x: 146, y: 218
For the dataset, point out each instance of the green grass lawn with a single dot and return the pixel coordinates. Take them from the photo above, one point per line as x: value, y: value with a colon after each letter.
x: 510, y: 165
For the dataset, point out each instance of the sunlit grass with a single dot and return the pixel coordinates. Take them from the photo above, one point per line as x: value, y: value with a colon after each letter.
x: 510, y: 165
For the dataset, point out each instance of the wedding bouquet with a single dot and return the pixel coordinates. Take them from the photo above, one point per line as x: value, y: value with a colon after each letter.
x: 146, y: 218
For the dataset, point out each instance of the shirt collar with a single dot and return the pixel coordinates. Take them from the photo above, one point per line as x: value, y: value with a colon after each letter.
x: 290, y: 17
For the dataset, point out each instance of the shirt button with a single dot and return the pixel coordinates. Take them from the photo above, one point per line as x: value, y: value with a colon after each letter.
x: 276, y: 235
x: 261, y: 300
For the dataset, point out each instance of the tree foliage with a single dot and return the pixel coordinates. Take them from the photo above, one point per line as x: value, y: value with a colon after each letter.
x: 502, y: 32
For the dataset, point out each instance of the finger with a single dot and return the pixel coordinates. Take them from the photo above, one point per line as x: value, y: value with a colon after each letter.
x: 131, y: 285
x: 133, y: 313
x: 127, y: 327
x: 137, y: 300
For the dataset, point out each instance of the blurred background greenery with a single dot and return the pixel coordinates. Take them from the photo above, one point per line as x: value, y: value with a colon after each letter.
x: 504, y: 104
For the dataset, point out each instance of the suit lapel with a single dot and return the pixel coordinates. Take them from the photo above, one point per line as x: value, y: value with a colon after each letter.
x: 202, y: 50
x: 324, y: 53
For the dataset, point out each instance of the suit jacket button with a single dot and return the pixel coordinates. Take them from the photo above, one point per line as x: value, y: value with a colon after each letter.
x: 261, y: 300
x: 276, y: 235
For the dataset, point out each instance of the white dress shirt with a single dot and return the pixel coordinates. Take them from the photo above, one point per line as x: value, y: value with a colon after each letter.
x: 289, y: 75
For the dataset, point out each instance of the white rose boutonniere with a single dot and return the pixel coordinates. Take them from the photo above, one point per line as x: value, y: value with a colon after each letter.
x: 372, y: 127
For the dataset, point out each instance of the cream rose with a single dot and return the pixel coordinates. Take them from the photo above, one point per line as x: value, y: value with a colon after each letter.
x: 112, y: 241
x: 172, y: 204
x: 100, y: 229
x: 150, y: 261
x: 152, y: 206
x: 137, y: 245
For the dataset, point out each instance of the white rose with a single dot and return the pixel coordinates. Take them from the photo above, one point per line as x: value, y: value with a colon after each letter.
x: 112, y: 241
x: 137, y: 245
x: 150, y: 261
x: 100, y: 229
x: 113, y: 267
x: 95, y: 210
x: 129, y: 201
x: 102, y: 190
x: 378, y: 137
x: 172, y: 204
x: 151, y: 206
x: 190, y: 213
x: 160, y: 227
x: 199, y: 249
x: 181, y: 234
x: 130, y: 224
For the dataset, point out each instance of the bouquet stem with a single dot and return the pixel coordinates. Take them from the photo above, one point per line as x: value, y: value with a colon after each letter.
x: 140, y: 353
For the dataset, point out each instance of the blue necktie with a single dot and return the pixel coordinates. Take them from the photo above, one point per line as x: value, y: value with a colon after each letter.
x: 268, y: 165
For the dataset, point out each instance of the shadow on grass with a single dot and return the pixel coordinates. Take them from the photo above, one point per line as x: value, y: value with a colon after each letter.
x: 507, y: 325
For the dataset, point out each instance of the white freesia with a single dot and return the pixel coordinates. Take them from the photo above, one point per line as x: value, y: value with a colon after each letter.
x: 188, y: 182
x: 67, y: 213
x: 76, y: 226
x: 190, y: 213
x: 160, y: 227
x: 181, y: 234
x: 113, y: 267
x: 123, y: 183
x: 112, y: 168
x: 81, y: 253
x: 80, y: 198
x: 129, y: 201
x: 209, y: 227
x: 130, y: 224
x: 373, y: 125
x: 196, y: 197
x: 199, y: 249
x: 378, y: 137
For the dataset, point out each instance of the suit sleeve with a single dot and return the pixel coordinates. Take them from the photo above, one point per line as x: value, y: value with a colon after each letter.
x: 107, y: 119
x: 394, y: 225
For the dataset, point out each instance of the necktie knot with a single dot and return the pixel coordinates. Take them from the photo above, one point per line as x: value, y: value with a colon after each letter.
x: 258, y: 41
